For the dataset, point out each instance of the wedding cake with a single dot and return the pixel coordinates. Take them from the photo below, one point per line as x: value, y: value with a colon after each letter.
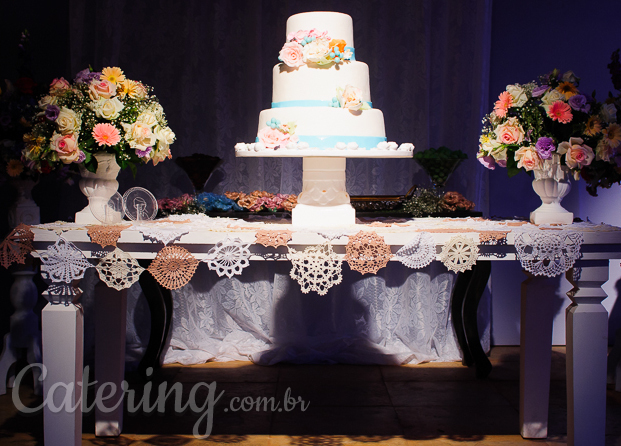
x: 321, y: 99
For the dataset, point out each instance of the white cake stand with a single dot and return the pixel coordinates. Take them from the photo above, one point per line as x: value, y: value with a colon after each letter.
x: 324, y: 200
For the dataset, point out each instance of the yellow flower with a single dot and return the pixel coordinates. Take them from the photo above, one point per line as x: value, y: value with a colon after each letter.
x: 112, y: 74
x: 568, y: 89
x: 612, y: 135
x: 14, y: 168
x: 593, y: 126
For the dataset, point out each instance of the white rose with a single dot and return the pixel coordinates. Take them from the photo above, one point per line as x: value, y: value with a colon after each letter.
x: 552, y: 96
x: 68, y: 121
x: 147, y: 118
x: 139, y: 135
x: 162, y: 152
x: 165, y: 134
x: 46, y: 101
x: 316, y: 51
x: 609, y: 113
x: 518, y: 94
x: 108, y: 108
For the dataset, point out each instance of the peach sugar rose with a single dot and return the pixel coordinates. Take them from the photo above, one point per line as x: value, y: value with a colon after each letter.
x: 291, y: 54
x: 272, y: 138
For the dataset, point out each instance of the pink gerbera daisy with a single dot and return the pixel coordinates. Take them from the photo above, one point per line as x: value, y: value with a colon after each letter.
x: 106, y: 134
x: 505, y: 100
x: 561, y: 112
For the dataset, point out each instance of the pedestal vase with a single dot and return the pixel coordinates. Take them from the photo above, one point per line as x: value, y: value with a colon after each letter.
x: 552, y: 184
x: 100, y: 185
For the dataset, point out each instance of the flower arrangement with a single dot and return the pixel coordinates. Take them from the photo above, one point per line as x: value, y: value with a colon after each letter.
x: 99, y: 111
x: 275, y: 135
x: 549, y: 122
x: 306, y: 47
x: 350, y: 98
x: 231, y: 201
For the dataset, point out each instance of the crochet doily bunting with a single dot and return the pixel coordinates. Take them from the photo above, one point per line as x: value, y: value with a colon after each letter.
x: 545, y: 253
x: 63, y: 262
x: 317, y: 268
x: 459, y: 253
x: 419, y: 252
x: 106, y: 235
x: 16, y: 245
x: 173, y: 267
x: 366, y: 252
x: 273, y: 238
x: 228, y: 257
x: 119, y: 270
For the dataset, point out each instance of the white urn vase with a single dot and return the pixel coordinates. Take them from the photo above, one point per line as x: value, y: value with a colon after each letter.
x: 25, y: 210
x: 100, y: 185
x: 552, y: 184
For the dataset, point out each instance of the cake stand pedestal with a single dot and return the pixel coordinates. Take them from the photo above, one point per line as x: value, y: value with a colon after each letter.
x: 324, y: 200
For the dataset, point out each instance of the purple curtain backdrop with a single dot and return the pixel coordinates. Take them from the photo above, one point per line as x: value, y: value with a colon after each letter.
x: 210, y: 64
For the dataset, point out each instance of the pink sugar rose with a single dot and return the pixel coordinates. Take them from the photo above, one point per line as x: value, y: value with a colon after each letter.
x: 510, y: 132
x: 273, y: 138
x: 291, y: 54
x: 528, y: 158
x: 318, y: 34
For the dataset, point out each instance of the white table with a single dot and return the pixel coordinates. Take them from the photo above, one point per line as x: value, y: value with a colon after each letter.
x: 586, y: 327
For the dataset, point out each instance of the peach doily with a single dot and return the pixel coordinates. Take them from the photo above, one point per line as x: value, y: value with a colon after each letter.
x: 106, y: 235
x: 493, y: 237
x: 366, y: 252
x: 16, y: 245
x: 173, y: 267
x: 273, y: 238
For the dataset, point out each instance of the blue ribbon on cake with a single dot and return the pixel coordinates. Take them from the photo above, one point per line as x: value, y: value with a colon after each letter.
x: 329, y: 141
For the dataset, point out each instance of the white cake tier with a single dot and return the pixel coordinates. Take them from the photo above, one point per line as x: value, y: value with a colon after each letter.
x: 324, y: 127
x: 310, y: 83
x: 338, y: 25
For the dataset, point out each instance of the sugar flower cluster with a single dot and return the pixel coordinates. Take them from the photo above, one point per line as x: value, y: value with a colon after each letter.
x: 547, y: 121
x: 99, y: 111
x: 305, y: 47
x: 349, y: 98
x: 275, y: 134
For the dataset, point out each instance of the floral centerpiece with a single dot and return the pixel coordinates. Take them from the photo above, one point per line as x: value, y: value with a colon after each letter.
x: 99, y: 112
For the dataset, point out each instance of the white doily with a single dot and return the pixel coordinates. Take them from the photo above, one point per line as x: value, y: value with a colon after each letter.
x: 335, y: 234
x: 163, y: 233
x: 228, y: 257
x: 62, y: 293
x: 419, y: 252
x: 459, y: 253
x: 548, y: 253
x: 63, y: 262
x: 317, y: 268
x: 119, y: 270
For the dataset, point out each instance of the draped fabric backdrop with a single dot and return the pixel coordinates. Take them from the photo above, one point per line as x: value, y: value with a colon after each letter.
x: 210, y: 64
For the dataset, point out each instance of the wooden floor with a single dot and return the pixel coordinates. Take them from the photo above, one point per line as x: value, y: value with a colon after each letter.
x: 429, y: 404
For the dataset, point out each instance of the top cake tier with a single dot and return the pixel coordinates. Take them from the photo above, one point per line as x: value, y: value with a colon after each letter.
x: 338, y: 25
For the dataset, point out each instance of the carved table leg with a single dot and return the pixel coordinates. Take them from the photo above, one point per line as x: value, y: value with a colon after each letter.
x: 467, y: 294
x: 536, y: 353
x: 110, y: 327
x: 587, y: 347
x: 159, y: 300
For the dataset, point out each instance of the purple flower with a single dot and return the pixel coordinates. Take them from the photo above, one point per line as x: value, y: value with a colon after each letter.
x: 545, y: 147
x: 81, y: 157
x: 488, y: 161
x: 538, y: 91
x: 86, y: 76
x: 51, y: 112
x: 502, y: 163
x: 143, y: 153
x: 579, y: 102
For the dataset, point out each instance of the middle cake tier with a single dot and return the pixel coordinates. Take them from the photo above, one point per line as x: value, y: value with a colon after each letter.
x: 314, y: 84
x: 325, y: 127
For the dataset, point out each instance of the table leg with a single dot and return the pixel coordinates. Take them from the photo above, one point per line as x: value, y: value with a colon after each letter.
x: 159, y: 300
x: 587, y: 347
x: 110, y: 327
x: 536, y: 354
x: 62, y: 330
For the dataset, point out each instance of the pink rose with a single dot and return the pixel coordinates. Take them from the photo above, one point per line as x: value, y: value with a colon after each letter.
x: 66, y: 146
x: 59, y: 85
x: 578, y: 156
x: 291, y: 54
x: 318, y: 34
x: 528, y: 158
x: 273, y: 138
x: 297, y: 36
x: 101, y: 89
x: 510, y: 132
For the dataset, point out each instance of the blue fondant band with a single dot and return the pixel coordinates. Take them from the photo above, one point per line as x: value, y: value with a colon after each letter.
x: 328, y: 142
x: 306, y: 103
